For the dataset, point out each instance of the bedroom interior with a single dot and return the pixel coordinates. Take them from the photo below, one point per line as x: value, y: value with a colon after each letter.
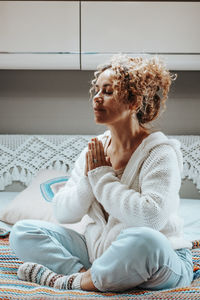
x: 46, y: 117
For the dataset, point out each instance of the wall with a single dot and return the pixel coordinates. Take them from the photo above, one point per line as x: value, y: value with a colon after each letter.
x: 57, y: 102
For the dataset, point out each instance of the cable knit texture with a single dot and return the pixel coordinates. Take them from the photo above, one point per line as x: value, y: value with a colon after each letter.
x: 147, y: 194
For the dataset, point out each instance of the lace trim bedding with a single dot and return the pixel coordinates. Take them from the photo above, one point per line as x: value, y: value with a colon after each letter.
x: 22, y: 156
x: 190, y: 146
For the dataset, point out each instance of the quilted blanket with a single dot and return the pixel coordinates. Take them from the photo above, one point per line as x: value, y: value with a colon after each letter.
x: 12, y: 288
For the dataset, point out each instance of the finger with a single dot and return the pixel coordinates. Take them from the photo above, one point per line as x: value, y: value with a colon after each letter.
x: 89, y: 145
x: 94, y: 153
x: 92, y: 141
x: 98, y: 152
x: 103, y: 158
x: 90, y: 161
x: 92, y: 149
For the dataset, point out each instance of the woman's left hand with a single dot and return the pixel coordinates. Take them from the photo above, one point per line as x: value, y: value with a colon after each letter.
x: 95, y: 156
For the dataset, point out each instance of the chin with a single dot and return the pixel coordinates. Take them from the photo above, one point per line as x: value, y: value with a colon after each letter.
x: 99, y: 121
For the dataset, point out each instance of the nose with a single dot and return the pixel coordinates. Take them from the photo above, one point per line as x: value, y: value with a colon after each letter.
x: 98, y: 97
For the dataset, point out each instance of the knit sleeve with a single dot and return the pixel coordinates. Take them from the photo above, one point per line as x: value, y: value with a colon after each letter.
x: 72, y: 202
x: 159, y: 181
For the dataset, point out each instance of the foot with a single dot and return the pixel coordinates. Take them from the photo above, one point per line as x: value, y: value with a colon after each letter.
x: 41, y: 275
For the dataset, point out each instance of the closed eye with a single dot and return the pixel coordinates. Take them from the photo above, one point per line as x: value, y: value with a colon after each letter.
x: 104, y: 92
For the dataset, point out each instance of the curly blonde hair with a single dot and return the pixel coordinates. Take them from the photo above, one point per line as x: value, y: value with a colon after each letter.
x: 140, y: 76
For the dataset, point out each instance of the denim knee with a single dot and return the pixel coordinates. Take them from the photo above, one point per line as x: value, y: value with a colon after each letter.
x: 144, y: 240
x: 149, y: 245
x: 132, y: 258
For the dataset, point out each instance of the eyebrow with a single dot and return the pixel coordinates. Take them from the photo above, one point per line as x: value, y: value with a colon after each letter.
x: 107, y: 84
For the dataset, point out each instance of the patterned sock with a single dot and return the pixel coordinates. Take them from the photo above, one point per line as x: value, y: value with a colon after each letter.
x: 41, y: 275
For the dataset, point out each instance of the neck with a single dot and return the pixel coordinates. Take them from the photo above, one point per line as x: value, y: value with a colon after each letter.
x: 126, y: 135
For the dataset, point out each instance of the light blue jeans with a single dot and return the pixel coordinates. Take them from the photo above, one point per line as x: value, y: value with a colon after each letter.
x: 139, y: 256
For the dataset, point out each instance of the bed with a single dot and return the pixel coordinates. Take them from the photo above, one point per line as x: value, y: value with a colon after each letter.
x: 26, y: 161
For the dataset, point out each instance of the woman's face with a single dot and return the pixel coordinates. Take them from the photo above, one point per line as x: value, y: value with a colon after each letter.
x: 108, y: 108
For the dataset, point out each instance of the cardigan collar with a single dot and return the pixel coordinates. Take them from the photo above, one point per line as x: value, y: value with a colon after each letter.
x: 141, y: 153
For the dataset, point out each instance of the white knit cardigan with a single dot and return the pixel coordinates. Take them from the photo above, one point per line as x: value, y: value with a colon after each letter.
x: 146, y: 195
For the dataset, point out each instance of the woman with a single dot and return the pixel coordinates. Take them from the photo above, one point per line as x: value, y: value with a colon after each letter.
x: 127, y: 180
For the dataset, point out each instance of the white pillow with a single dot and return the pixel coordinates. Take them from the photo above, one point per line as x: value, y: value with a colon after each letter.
x: 31, y: 203
x: 190, y: 212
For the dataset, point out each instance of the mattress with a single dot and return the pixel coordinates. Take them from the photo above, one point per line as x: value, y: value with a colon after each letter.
x: 12, y: 288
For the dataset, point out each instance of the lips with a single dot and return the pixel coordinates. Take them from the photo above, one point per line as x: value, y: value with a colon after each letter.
x: 99, y: 112
x: 98, y: 109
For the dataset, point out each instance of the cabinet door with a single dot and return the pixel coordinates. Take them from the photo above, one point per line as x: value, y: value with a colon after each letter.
x: 39, y: 32
x: 168, y: 28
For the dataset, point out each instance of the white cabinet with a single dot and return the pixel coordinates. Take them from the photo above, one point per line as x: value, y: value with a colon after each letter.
x: 82, y: 34
x: 168, y: 28
x: 39, y: 34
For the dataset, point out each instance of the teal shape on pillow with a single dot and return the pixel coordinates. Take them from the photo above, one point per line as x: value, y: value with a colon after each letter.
x: 46, y: 187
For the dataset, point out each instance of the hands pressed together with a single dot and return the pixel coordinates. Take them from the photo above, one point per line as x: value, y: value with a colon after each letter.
x: 95, y: 156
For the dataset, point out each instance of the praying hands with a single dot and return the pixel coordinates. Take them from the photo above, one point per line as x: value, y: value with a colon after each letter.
x: 95, y: 156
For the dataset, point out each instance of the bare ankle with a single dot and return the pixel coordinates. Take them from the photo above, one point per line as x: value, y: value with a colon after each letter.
x: 86, y: 282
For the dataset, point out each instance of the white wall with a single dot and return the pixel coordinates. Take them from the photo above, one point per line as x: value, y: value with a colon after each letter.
x: 57, y: 102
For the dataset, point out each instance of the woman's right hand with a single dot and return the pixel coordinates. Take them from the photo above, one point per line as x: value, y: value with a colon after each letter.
x: 95, y: 156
